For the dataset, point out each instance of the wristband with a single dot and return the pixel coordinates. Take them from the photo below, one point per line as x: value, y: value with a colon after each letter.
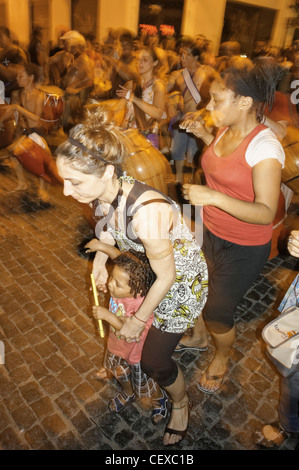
x: 134, y: 315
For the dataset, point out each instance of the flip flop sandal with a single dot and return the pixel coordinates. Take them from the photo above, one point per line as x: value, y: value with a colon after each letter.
x: 176, y: 432
x: 120, y: 401
x: 212, y: 377
x: 160, y: 410
x: 181, y: 347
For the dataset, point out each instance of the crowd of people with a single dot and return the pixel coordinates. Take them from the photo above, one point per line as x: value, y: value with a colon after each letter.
x: 186, y: 102
x: 161, y: 80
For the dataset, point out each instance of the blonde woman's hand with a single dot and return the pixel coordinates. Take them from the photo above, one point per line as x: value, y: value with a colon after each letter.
x: 93, y: 245
x: 131, y: 329
x: 100, y: 276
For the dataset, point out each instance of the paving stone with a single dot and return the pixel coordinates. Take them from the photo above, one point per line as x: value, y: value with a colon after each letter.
x: 53, y: 425
x: 23, y: 417
x: 69, y: 377
x: 4, y: 418
x: 11, y: 440
x: 51, y: 385
x: 36, y: 437
x: 82, y: 422
x: 69, y: 441
x: 42, y: 407
x: 31, y: 392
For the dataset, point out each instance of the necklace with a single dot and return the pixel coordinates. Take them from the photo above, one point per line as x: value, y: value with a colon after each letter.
x: 101, y: 218
x: 147, y: 84
x: 115, y: 202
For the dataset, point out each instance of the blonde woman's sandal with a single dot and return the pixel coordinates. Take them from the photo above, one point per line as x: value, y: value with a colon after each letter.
x: 177, y: 432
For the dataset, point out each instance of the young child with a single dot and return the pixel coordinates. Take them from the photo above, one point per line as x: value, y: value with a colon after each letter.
x: 130, y: 279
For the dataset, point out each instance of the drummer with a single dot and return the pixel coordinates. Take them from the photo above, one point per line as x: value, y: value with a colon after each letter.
x: 79, y: 79
x: 193, y: 81
x: 10, y: 57
x: 28, y: 103
x: 146, y: 99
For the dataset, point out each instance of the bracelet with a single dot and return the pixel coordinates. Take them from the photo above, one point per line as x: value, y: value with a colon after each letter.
x: 129, y: 96
x: 160, y: 255
x: 134, y: 315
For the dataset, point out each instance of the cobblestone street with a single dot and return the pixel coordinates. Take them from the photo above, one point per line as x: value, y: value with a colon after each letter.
x: 49, y: 397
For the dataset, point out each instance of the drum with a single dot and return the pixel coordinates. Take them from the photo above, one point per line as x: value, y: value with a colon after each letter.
x: 36, y: 159
x: 114, y: 109
x: 144, y: 162
x: 7, y: 132
x: 53, y: 107
x: 290, y: 173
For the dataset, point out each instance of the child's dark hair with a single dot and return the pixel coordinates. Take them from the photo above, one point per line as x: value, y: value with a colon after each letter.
x: 141, y: 275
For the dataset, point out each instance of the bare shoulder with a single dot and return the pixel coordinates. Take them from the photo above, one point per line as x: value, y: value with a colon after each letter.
x: 153, y: 212
x: 159, y: 85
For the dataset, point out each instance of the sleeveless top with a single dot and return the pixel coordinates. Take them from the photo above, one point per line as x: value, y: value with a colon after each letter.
x: 232, y: 175
x: 187, y: 296
x: 147, y: 96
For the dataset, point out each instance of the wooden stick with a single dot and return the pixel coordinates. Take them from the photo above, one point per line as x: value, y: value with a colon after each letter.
x: 96, y: 301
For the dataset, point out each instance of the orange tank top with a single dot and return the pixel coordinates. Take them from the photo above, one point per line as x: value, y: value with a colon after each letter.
x: 232, y: 175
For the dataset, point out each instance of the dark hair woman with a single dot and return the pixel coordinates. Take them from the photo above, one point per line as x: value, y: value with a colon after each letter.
x: 242, y: 166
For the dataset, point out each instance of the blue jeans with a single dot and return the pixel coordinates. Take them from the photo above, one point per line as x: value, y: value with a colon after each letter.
x: 183, y: 144
x: 288, y: 409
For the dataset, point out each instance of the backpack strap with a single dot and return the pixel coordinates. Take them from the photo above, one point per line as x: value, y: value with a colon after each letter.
x: 138, y: 189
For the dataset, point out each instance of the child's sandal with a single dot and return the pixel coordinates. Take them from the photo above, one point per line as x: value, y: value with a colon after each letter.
x: 120, y: 401
x: 101, y: 374
x: 159, y: 411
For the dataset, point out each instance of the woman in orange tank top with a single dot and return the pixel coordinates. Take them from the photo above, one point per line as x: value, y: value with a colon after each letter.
x: 242, y: 166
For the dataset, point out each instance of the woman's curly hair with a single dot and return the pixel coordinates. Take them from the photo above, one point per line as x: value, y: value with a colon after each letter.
x: 141, y: 275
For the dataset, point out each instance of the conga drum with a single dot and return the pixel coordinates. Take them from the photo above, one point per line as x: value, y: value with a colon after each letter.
x: 290, y: 173
x: 144, y: 162
x: 53, y: 107
x: 7, y: 132
x: 114, y: 109
x: 35, y: 158
x: 7, y: 128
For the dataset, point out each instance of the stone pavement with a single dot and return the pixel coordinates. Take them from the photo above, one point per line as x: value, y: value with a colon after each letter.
x: 49, y: 398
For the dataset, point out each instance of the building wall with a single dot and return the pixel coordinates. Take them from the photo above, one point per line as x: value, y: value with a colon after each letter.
x: 206, y: 17
x: 198, y: 16
x: 117, y: 14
